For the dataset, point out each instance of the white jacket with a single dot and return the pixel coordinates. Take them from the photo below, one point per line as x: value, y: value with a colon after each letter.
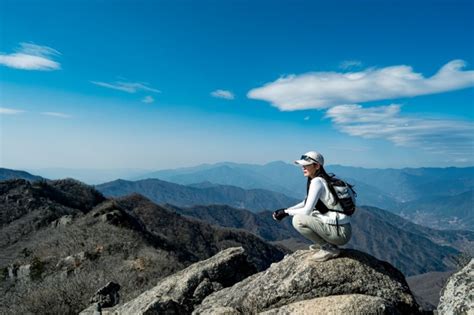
x: 318, y: 189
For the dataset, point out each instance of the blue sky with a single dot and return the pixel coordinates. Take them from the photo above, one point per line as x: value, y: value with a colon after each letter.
x: 165, y: 84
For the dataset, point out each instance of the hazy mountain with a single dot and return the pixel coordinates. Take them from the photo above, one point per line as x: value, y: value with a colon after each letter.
x: 89, y: 176
x: 407, y: 246
x: 6, y: 174
x: 410, y: 191
x: 412, y: 248
x: 275, y: 176
x: 455, y: 212
x: 61, y: 240
x: 373, y: 196
x: 198, y: 194
x: 409, y: 184
x: 401, y: 184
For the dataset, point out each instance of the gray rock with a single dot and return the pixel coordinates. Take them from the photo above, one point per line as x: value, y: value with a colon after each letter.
x: 107, y: 296
x: 73, y: 262
x: 63, y: 221
x: 457, y: 297
x: 180, y: 292
x: 337, y: 304
x: 22, y: 272
x: 297, y: 278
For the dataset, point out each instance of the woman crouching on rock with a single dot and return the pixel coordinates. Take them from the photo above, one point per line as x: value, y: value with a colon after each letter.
x: 311, y: 218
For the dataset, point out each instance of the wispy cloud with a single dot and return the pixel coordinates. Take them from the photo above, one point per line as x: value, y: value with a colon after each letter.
x: 148, y: 99
x: 320, y: 90
x: 31, y: 57
x: 10, y: 111
x: 54, y: 114
x: 228, y: 95
x: 129, y: 87
x: 350, y: 64
x: 452, y: 137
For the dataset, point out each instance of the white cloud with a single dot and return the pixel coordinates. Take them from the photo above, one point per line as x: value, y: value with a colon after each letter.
x: 318, y: 90
x: 10, y: 111
x: 443, y: 136
x: 31, y: 57
x: 350, y: 64
x: 148, y: 99
x: 54, y: 114
x: 228, y: 95
x: 129, y: 87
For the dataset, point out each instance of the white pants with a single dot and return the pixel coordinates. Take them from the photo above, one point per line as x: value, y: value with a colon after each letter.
x: 321, y: 233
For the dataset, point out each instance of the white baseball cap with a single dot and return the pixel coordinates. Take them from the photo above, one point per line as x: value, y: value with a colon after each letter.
x: 310, y: 157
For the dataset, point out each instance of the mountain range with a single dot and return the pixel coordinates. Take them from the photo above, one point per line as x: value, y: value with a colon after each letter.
x: 410, y: 192
x: 204, y: 193
x: 413, y: 193
x: 6, y: 174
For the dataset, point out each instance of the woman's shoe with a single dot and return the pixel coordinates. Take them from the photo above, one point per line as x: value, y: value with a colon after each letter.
x: 326, y: 252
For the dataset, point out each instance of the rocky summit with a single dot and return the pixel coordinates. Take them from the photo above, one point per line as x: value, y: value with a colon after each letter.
x: 355, y: 282
x: 298, y: 278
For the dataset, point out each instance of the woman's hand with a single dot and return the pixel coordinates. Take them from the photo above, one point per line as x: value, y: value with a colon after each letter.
x: 279, y: 214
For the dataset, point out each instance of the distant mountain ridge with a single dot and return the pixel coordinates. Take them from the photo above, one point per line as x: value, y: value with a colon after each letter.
x: 276, y: 176
x: 204, y: 193
x: 409, y: 184
x: 441, y: 198
x: 6, y: 174
x: 432, y: 210
x: 402, y: 191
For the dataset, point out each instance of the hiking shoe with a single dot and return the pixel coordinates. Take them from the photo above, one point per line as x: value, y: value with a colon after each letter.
x: 314, y: 247
x: 326, y: 252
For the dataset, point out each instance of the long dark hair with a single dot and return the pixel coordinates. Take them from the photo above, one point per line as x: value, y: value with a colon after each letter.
x: 322, y: 208
x: 321, y: 173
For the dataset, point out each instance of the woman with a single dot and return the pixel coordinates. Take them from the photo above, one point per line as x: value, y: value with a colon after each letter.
x: 327, y: 229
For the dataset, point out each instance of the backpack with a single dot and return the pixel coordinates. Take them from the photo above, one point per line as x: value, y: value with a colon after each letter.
x: 344, y: 194
x: 344, y: 197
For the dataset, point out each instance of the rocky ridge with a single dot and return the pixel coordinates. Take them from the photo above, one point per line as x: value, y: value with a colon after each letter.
x: 354, y: 282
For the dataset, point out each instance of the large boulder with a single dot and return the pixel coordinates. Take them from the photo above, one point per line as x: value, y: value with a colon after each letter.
x: 180, y: 292
x: 298, y: 278
x: 457, y: 297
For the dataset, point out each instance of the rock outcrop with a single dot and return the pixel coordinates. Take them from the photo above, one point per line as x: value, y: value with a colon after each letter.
x: 107, y: 296
x: 354, y: 283
x: 457, y: 297
x: 180, y: 292
x: 297, y: 282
